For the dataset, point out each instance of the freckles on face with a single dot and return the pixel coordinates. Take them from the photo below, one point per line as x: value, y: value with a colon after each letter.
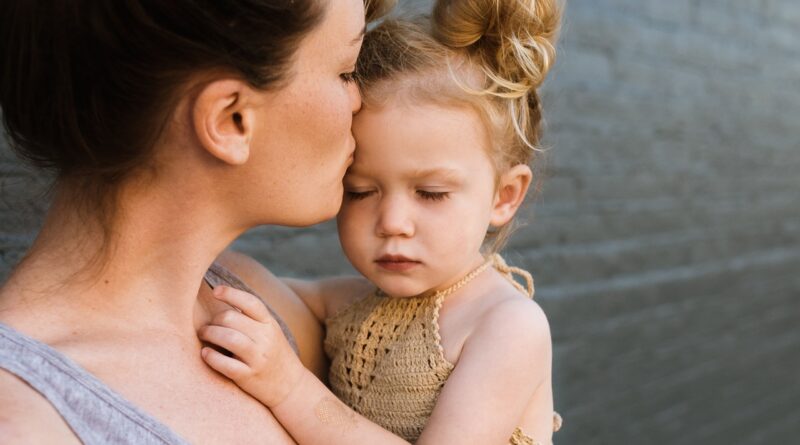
x: 324, y: 93
x: 307, y: 123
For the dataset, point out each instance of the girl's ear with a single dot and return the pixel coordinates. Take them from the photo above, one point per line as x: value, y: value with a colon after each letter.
x: 511, y: 190
x: 223, y: 120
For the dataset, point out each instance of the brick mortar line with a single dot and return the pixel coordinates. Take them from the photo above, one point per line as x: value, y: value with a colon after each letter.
x: 671, y: 275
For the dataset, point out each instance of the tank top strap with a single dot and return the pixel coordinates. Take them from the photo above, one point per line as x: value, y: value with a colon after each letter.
x: 95, y: 413
x: 217, y: 275
x: 509, y: 271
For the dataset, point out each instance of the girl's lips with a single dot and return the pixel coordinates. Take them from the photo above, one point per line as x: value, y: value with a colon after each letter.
x: 396, y: 263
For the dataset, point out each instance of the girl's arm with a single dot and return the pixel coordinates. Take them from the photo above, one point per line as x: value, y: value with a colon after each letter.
x: 327, y: 296
x: 500, y: 369
x: 504, y: 365
x: 265, y: 366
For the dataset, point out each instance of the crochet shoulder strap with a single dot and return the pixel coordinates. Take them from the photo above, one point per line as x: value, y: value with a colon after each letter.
x: 509, y: 271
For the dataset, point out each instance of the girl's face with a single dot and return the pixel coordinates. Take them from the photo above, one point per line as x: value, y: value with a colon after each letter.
x: 419, y: 197
x: 306, y: 136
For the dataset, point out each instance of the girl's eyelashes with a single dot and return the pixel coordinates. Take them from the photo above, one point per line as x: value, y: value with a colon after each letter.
x: 355, y: 196
x: 432, y: 196
x: 424, y: 194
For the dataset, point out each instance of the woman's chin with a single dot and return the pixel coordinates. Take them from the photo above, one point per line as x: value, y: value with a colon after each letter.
x: 331, y: 207
x: 316, y: 211
x: 311, y: 220
x: 304, y: 220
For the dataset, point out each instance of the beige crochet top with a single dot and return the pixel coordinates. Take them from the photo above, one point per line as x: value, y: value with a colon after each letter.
x: 387, y: 361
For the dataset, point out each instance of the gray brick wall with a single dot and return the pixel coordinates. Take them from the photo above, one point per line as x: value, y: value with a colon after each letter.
x: 666, y: 242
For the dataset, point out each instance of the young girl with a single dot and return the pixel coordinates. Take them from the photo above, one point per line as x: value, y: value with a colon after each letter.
x: 441, y: 345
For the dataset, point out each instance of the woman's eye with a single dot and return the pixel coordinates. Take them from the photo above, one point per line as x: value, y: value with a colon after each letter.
x: 355, y: 196
x: 348, y: 77
x: 432, y: 196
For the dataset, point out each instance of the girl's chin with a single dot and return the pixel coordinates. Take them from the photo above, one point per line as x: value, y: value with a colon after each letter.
x: 401, y: 291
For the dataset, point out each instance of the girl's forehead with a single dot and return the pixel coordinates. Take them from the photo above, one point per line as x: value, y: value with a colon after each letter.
x: 417, y: 141
x: 424, y: 123
x: 445, y: 174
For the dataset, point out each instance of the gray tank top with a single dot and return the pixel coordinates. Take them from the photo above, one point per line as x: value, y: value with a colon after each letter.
x: 94, y: 412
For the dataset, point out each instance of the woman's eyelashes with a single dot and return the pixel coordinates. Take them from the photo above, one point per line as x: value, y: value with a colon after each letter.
x: 348, y: 77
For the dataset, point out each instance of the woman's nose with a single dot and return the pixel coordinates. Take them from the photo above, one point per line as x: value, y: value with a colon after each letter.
x: 394, y: 219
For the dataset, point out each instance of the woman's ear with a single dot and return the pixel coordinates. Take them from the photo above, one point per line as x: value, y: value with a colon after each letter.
x: 511, y: 190
x: 223, y: 120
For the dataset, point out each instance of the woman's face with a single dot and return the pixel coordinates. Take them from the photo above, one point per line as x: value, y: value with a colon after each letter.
x: 304, y: 143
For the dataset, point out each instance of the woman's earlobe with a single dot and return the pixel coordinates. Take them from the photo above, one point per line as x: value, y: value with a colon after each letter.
x: 511, y: 191
x: 222, y: 121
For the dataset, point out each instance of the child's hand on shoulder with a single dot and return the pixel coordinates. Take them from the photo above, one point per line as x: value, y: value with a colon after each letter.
x: 263, y: 362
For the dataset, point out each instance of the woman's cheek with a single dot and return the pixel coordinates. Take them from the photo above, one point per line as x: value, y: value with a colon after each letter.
x: 342, y: 119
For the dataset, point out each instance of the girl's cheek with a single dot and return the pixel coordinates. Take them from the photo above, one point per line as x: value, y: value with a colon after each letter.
x: 347, y: 220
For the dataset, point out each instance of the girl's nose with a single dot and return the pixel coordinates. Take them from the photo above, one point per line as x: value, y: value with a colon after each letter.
x: 394, y: 219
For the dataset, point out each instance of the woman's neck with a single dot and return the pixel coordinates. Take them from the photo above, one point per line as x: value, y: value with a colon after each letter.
x: 157, y: 251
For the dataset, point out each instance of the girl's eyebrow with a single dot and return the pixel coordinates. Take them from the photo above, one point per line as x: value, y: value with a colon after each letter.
x: 353, y: 172
x: 448, y: 174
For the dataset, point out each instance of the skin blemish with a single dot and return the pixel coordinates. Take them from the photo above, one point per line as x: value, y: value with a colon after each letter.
x: 333, y: 412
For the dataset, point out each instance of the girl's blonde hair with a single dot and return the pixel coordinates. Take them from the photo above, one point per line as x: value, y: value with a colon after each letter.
x: 490, y: 55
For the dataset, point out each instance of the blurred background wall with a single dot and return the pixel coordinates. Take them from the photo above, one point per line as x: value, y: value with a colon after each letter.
x: 666, y: 242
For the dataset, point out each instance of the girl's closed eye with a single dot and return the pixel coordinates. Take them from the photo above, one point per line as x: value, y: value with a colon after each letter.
x: 433, y: 196
x: 356, y: 195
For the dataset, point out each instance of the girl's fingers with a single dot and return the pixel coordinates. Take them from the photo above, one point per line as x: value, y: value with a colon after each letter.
x: 255, y: 330
x: 249, y: 304
x: 238, y: 343
x: 227, y: 366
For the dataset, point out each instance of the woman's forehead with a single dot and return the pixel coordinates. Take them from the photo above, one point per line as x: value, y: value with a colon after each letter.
x: 341, y: 30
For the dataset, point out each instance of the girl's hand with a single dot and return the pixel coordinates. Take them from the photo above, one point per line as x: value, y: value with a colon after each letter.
x: 264, y: 364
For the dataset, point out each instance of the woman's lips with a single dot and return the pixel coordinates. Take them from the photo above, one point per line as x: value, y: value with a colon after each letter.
x: 396, y: 263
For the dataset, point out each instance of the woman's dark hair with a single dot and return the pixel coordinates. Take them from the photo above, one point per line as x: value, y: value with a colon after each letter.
x: 87, y: 85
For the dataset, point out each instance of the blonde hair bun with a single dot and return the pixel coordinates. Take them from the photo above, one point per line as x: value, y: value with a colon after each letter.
x: 511, y: 40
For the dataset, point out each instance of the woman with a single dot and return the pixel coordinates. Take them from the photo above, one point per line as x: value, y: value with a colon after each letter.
x: 172, y: 128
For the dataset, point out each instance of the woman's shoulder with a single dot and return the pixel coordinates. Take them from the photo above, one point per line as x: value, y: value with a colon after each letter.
x: 27, y: 416
x: 264, y: 283
x: 299, y: 319
x: 247, y: 269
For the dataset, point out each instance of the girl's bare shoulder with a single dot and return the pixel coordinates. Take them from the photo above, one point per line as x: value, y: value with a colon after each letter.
x: 514, y: 319
x: 331, y: 295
